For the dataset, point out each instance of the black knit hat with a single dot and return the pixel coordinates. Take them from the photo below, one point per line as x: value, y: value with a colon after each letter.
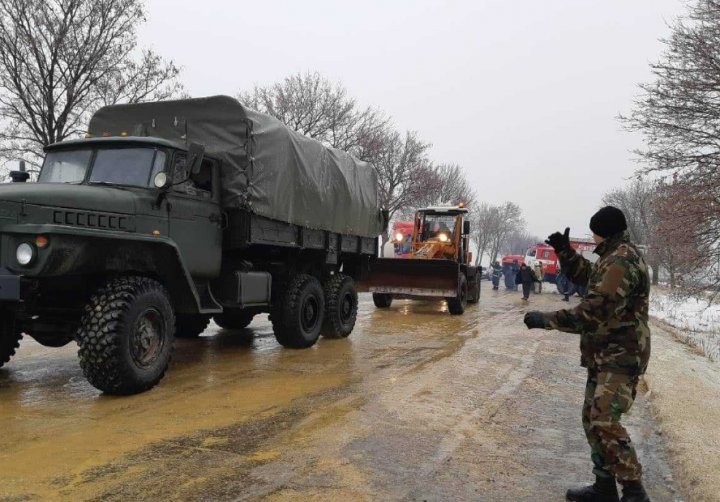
x: 608, y: 222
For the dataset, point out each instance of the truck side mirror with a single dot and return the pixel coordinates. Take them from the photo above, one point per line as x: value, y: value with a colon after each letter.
x: 466, y: 227
x: 196, y: 152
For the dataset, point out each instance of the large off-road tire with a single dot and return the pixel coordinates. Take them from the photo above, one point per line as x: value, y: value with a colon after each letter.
x: 341, y: 306
x: 190, y: 325
x: 456, y: 306
x: 126, y: 335
x: 474, y: 290
x: 382, y: 300
x: 234, y: 320
x: 9, y: 338
x: 298, y: 314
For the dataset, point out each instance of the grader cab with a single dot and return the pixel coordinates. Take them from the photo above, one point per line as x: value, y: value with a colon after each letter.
x: 437, y: 266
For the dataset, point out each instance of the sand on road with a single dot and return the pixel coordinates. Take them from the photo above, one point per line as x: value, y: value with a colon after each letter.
x: 415, y: 405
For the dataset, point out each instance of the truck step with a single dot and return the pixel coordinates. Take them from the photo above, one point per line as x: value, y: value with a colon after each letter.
x: 208, y: 304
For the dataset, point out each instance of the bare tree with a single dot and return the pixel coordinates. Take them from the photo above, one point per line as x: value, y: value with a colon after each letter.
x: 485, y: 220
x: 312, y: 105
x: 678, y: 247
x: 150, y: 78
x: 678, y: 112
x: 62, y: 59
x: 636, y: 200
x: 448, y: 185
x: 679, y: 115
x: 443, y: 184
x: 402, y: 166
x: 493, y: 224
x: 519, y: 241
x: 509, y: 220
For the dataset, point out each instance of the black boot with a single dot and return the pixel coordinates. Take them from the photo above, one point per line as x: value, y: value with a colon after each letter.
x: 603, y: 490
x: 633, y: 491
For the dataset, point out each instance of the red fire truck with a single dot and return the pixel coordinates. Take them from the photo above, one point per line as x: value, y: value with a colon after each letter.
x: 545, y: 254
x: 402, y: 232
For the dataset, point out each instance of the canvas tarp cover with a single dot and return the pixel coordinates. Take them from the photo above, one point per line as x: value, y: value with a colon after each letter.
x: 267, y: 168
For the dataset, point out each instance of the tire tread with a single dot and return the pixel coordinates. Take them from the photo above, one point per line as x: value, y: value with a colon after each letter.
x: 287, y: 332
x: 9, y: 343
x: 99, y: 335
x: 332, y: 328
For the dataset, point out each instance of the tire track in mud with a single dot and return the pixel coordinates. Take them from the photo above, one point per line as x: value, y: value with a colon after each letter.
x: 490, y: 405
x: 484, y: 413
x: 212, y: 464
x: 427, y: 390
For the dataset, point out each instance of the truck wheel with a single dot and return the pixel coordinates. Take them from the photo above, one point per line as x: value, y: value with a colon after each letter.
x: 474, y: 294
x: 234, y: 320
x: 9, y: 339
x: 190, y: 325
x: 341, y: 305
x: 298, y: 316
x: 126, y: 335
x: 457, y: 305
x: 382, y: 301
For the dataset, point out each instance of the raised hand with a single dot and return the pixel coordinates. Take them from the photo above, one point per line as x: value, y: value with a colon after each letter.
x: 558, y: 241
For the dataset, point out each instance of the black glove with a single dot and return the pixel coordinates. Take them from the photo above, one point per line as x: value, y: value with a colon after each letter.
x: 535, y: 319
x: 560, y: 242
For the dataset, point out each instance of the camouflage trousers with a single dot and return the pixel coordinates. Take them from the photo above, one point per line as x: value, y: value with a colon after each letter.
x: 607, y: 397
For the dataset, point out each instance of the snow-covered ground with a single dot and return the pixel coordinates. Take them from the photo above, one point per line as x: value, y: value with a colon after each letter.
x: 697, y: 322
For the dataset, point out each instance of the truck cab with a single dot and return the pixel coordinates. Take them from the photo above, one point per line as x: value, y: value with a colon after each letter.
x: 440, y: 233
x: 99, y: 221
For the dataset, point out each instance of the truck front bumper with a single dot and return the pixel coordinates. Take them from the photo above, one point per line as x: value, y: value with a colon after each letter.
x: 9, y: 286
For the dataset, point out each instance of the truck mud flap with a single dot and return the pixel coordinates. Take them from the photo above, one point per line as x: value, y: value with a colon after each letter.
x: 413, y: 277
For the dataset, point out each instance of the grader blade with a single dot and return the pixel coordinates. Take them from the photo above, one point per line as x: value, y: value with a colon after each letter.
x: 413, y: 277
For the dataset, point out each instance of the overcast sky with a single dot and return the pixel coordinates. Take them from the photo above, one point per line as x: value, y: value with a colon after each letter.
x: 523, y: 94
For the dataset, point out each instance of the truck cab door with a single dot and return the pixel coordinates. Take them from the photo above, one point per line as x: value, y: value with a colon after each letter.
x: 195, y: 216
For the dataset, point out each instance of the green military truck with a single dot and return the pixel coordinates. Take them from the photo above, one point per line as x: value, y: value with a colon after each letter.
x: 171, y: 213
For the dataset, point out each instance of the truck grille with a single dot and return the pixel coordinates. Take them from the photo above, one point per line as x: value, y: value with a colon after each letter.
x: 91, y: 220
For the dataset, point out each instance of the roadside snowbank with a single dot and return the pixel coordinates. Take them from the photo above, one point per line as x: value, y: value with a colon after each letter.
x: 697, y: 323
x: 684, y: 387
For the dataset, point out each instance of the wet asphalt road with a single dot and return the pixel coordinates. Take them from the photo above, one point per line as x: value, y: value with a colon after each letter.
x: 415, y: 405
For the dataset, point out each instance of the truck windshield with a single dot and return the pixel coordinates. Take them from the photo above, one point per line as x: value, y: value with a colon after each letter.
x: 112, y: 166
x: 127, y: 166
x: 65, y: 166
x: 437, y: 224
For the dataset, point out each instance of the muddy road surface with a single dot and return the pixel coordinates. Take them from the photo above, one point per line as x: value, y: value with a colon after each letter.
x: 415, y: 405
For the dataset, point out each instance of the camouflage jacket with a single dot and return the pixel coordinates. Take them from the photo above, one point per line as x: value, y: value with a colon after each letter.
x: 613, y: 319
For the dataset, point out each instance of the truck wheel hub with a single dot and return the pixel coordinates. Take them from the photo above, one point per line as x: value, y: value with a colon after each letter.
x: 148, y: 338
x: 310, y: 313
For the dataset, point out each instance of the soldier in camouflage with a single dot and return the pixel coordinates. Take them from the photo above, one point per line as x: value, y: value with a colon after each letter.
x: 612, y: 322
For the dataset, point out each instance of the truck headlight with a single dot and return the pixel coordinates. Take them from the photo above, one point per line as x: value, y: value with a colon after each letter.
x: 25, y: 254
x: 443, y: 237
x: 399, y: 237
